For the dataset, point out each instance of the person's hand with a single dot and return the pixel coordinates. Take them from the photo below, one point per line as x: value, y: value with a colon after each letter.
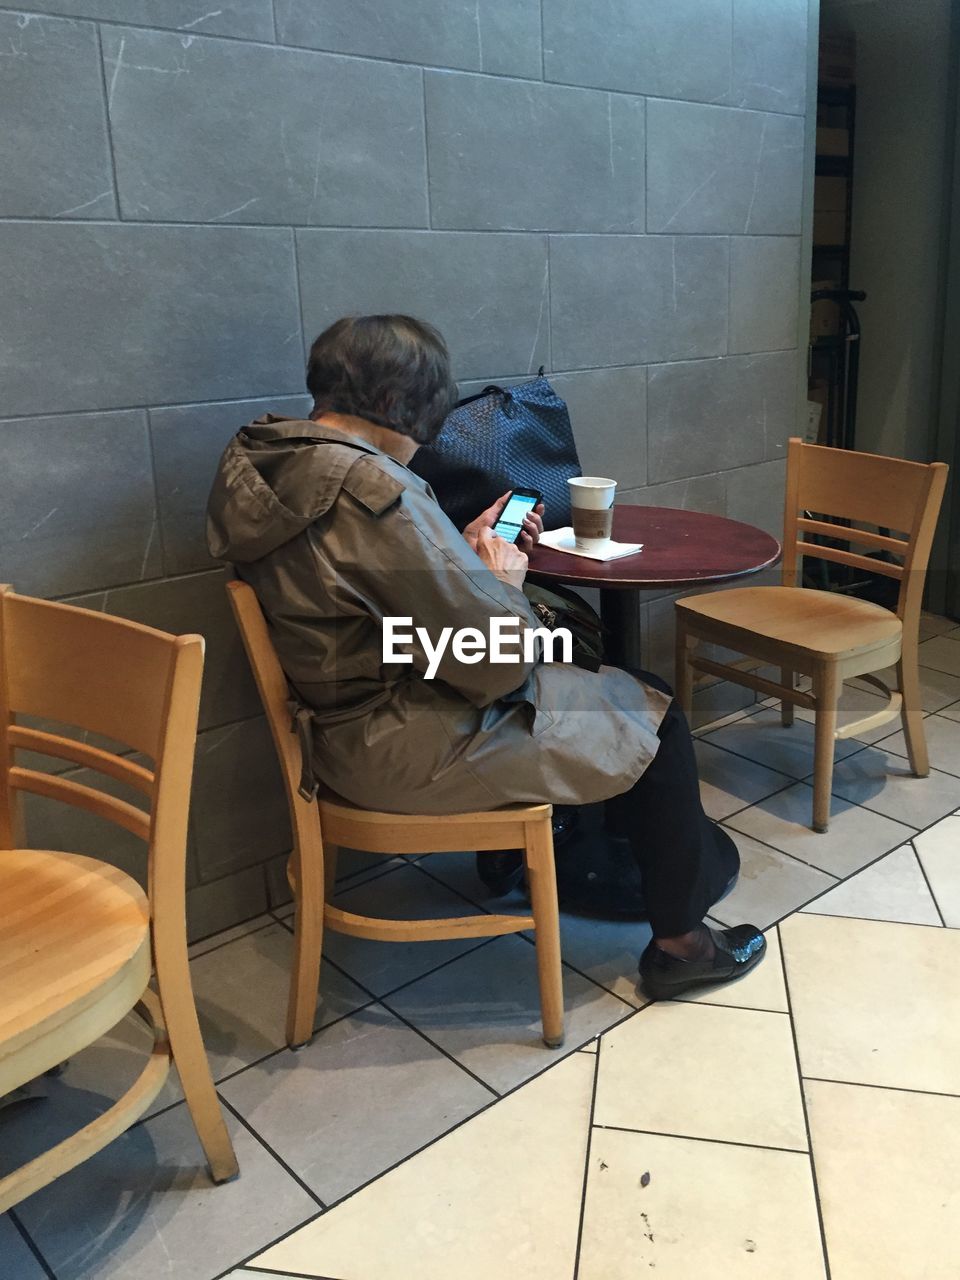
x: 532, y: 524
x: 532, y: 528
x: 507, y: 561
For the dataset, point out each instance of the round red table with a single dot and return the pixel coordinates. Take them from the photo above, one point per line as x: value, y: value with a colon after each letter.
x: 680, y: 549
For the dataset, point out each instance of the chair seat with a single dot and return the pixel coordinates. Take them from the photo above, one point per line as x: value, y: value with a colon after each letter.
x: 820, y: 622
x: 74, y: 936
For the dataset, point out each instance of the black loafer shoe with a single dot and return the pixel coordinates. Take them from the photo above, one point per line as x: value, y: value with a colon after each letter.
x: 738, y: 950
x: 501, y: 870
x: 566, y: 820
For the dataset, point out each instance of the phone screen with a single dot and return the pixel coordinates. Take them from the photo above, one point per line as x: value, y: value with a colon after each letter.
x: 511, y: 518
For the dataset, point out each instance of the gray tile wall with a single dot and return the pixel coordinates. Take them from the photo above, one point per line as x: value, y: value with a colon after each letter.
x: 189, y: 190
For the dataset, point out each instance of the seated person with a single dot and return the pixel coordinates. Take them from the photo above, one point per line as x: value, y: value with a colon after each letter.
x: 333, y: 532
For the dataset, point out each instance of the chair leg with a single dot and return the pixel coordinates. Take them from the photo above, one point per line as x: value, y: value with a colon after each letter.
x: 307, y: 948
x: 683, y: 673
x: 826, y: 688
x: 911, y: 715
x: 542, y: 882
x: 189, y: 1055
x: 788, y: 678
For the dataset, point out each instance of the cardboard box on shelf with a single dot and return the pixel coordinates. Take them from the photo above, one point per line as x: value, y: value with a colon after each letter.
x: 829, y: 226
x: 832, y: 142
x: 829, y: 193
x: 838, y: 59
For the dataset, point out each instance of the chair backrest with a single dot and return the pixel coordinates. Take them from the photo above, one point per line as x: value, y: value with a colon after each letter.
x: 902, y: 498
x: 272, y: 686
x: 139, y: 687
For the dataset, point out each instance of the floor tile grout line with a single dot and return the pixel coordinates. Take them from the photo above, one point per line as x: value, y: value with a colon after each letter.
x: 572, y: 968
x: 285, y: 1048
x: 271, y: 1152
x: 532, y: 942
x: 752, y: 804
x: 889, y: 1088
x: 31, y: 1244
x: 258, y: 1062
x: 335, y: 1204
x: 735, y: 831
x: 522, y: 1084
x: 474, y: 1115
x: 837, y: 915
x: 926, y: 880
x: 286, y: 1274
x: 493, y: 1102
x: 803, y: 1103
x: 697, y: 1137
x: 230, y: 927
x: 440, y: 1049
x: 381, y: 1000
x: 715, y: 726
x: 484, y: 942
x: 218, y: 946
x: 248, y: 1261
x: 741, y: 1008
x: 750, y: 760
x: 800, y: 907
x: 450, y: 888
x: 935, y: 768
x: 586, y: 1160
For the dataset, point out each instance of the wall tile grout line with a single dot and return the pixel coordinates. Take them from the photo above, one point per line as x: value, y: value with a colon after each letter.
x: 108, y: 126
x: 157, y: 525
x: 543, y: 48
x: 428, y: 194
x: 402, y: 62
x: 268, y: 397
x: 299, y: 295
x: 412, y: 229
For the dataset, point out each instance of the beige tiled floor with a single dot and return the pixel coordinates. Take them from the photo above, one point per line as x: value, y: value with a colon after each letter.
x: 843, y: 1110
x: 807, y: 1114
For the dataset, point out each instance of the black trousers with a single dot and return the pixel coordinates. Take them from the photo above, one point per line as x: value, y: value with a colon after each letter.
x: 685, y: 860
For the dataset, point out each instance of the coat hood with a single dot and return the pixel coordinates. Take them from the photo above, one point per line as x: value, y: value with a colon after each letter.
x: 276, y: 477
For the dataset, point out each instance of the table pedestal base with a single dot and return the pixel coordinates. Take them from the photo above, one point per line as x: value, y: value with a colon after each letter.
x: 597, y: 874
x: 620, y: 615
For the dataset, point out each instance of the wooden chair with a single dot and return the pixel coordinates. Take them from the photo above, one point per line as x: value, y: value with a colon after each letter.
x: 825, y: 635
x: 320, y: 826
x: 79, y: 939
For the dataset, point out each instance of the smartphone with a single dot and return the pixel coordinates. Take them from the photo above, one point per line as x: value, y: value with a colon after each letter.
x: 520, y: 503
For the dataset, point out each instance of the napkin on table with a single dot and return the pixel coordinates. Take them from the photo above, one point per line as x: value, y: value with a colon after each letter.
x: 563, y: 540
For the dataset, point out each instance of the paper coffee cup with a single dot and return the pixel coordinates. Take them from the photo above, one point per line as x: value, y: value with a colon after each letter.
x: 591, y: 506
